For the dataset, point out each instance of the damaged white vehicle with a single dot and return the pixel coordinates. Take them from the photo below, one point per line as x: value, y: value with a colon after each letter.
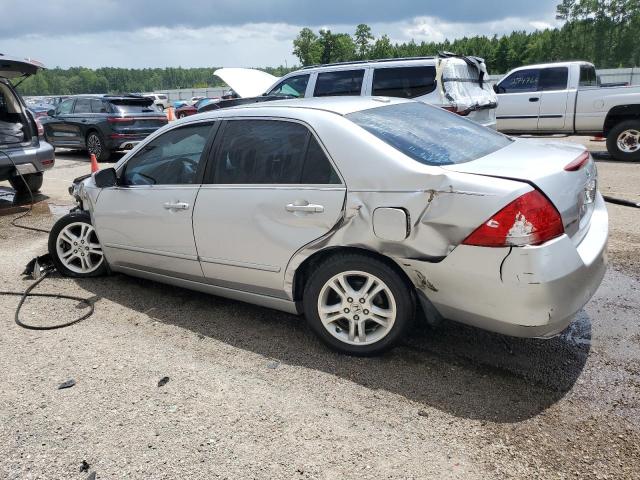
x: 453, y: 82
x: 354, y: 211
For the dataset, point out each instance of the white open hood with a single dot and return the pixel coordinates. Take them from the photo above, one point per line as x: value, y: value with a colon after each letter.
x: 246, y: 82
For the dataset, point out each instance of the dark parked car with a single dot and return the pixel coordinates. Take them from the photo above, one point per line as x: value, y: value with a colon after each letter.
x: 102, y: 124
x: 186, y: 109
x: 21, y: 150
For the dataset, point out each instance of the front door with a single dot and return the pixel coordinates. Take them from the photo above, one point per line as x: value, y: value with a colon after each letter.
x: 518, y: 102
x: 145, y: 222
x: 59, y: 131
x: 271, y: 190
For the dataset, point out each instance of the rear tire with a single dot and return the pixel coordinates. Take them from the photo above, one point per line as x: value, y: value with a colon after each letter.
x: 623, y: 141
x: 34, y: 182
x: 74, y: 247
x: 96, y: 145
x: 369, y: 316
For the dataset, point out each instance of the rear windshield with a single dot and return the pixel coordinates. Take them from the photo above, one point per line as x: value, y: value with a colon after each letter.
x: 428, y: 134
x: 134, y: 106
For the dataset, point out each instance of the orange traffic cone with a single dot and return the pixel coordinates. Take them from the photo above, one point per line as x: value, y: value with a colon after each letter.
x: 171, y: 114
x: 94, y: 163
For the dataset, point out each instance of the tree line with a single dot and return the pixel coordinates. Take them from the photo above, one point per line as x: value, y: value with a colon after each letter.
x: 604, y: 32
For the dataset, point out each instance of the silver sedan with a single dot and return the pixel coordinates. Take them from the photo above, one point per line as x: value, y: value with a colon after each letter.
x: 358, y: 212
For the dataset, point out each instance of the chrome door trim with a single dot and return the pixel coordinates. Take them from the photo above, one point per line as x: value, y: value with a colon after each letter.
x: 151, y: 251
x: 265, y: 186
x: 236, y: 263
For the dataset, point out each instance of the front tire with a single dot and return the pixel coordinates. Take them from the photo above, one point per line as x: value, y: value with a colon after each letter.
x: 358, y: 305
x: 74, y: 247
x: 33, y: 180
x: 96, y: 145
x: 623, y: 141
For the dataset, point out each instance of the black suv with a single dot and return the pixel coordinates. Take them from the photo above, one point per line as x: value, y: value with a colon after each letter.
x: 101, y: 124
x: 21, y: 151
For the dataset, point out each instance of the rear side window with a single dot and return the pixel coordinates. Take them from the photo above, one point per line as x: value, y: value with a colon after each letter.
x: 553, y: 78
x: 429, y: 135
x: 270, y: 152
x: 588, y: 77
x: 83, y: 105
x: 342, y: 82
x: 97, y: 106
x: 404, y: 82
x: 520, y: 82
x: 294, y: 86
x: 133, y: 106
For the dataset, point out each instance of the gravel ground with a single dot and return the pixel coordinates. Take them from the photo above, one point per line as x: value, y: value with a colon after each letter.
x: 252, y: 394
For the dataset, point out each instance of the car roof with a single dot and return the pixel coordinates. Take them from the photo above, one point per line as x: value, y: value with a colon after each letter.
x: 553, y: 64
x: 338, y: 105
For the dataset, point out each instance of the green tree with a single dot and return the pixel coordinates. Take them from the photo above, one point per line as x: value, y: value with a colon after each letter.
x: 363, y: 38
x: 307, y: 47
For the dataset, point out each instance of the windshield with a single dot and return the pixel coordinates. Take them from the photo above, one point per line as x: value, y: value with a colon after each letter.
x: 133, y: 106
x: 428, y: 134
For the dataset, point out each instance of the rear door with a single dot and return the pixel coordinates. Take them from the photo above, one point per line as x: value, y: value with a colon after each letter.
x: 519, y: 101
x: 552, y: 87
x: 271, y: 190
x: 145, y: 222
x: 59, y: 130
x: 79, y: 119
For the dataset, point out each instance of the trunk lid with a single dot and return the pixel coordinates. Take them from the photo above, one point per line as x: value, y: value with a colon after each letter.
x: 11, y: 67
x: 541, y: 164
x: 246, y: 82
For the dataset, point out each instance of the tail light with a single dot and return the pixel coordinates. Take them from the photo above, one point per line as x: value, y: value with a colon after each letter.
x: 530, y: 219
x: 40, y: 128
x: 452, y: 108
x: 578, y: 163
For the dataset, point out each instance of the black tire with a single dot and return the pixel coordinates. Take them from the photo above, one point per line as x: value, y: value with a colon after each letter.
x: 160, y: 107
x: 73, y: 217
x: 34, y: 182
x: 612, y: 141
x: 96, y: 145
x: 400, y: 289
x: 180, y: 115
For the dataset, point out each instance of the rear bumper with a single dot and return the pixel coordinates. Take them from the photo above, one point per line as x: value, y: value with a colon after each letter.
x: 27, y: 159
x: 525, y: 292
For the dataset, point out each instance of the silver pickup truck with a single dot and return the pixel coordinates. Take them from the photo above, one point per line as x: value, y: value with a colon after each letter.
x: 567, y: 97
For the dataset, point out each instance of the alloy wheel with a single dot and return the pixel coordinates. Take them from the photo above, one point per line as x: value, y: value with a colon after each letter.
x: 94, y: 145
x: 357, y: 308
x: 78, y: 248
x: 629, y: 141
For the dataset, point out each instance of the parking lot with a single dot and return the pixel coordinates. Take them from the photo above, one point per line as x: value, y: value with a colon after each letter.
x: 252, y: 393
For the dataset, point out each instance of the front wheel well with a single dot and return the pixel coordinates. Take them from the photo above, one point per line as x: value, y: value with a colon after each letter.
x: 304, y: 271
x: 619, y: 114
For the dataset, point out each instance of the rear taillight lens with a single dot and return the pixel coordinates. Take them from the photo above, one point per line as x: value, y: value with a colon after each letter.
x: 40, y: 128
x: 451, y: 108
x: 530, y: 219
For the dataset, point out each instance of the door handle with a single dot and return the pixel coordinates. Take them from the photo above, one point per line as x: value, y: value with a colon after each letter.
x: 176, y: 206
x: 306, y: 207
x: 534, y: 99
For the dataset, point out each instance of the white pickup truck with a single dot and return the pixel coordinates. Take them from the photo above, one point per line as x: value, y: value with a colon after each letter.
x: 566, y: 97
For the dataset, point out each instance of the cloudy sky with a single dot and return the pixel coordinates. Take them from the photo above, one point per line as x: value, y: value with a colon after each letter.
x: 194, y: 33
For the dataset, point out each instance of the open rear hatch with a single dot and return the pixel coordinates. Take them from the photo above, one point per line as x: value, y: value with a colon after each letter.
x: 548, y: 166
x: 11, y: 67
x: 246, y: 82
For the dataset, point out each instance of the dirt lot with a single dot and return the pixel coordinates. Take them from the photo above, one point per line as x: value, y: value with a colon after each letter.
x: 253, y: 394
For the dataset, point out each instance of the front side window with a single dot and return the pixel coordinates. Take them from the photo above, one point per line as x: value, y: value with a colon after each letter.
x: 338, y: 83
x: 293, y: 86
x: 588, y: 77
x: 404, y: 82
x: 429, y: 135
x: 520, y: 82
x: 271, y: 152
x: 83, y: 105
x: 170, y: 159
x: 554, y: 78
x: 65, y: 107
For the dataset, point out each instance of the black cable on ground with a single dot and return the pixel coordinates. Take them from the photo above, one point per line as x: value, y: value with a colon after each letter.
x: 28, y: 212
x: 27, y: 293
x: 621, y: 201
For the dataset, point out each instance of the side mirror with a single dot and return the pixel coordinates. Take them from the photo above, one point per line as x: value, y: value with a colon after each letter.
x: 495, y: 88
x: 106, y: 178
x: 51, y: 113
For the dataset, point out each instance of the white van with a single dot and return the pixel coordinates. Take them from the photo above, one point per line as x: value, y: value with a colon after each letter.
x: 456, y: 83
